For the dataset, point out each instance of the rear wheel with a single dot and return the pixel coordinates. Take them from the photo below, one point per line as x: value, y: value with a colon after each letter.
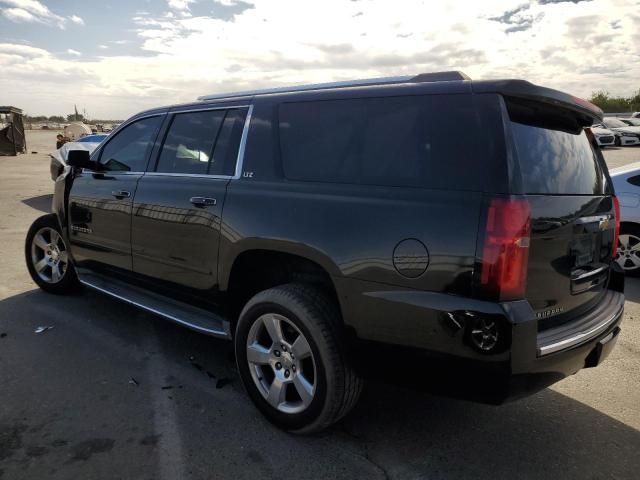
x: 47, y: 257
x: 291, y: 359
x: 628, y: 256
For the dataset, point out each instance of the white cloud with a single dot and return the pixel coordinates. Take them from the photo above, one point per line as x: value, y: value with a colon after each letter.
x: 73, y: 52
x: 76, y: 19
x: 103, y: 47
x: 181, y: 7
x: 18, y: 15
x: 30, y: 11
x: 564, y: 45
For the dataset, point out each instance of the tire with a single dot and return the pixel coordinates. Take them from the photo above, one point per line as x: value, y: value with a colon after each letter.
x: 617, y: 142
x: 47, y: 257
x: 301, y: 311
x: 627, y: 257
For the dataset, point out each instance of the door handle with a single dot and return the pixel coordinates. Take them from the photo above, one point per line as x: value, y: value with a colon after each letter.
x: 202, y: 202
x: 121, y: 194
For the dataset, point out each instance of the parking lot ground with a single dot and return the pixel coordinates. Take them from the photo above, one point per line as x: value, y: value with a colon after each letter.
x: 112, y: 392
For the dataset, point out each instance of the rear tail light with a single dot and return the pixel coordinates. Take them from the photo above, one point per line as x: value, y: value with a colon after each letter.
x: 505, y: 251
x: 616, y: 233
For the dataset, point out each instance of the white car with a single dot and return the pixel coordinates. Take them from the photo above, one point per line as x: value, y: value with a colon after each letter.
x: 634, y: 122
x: 604, y: 136
x: 625, y: 134
x: 626, y: 181
x: 59, y: 157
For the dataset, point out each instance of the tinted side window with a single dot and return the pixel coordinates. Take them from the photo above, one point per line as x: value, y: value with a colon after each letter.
x: 226, y: 150
x: 128, y: 150
x: 188, y: 146
x: 434, y: 141
x: 635, y: 180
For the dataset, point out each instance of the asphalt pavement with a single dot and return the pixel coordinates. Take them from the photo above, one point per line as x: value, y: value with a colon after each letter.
x: 112, y: 392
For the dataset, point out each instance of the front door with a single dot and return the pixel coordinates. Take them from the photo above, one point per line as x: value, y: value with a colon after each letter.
x: 100, y: 203
x: 178, y: 205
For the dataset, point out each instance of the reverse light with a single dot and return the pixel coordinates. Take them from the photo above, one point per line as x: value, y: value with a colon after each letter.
x: 616, y: 233
x: 505, y: 252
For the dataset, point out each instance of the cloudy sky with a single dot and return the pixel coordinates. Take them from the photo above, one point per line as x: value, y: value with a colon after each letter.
x: 117, y: 57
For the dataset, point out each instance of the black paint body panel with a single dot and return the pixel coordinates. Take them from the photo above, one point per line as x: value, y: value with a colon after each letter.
x: 158, y: 239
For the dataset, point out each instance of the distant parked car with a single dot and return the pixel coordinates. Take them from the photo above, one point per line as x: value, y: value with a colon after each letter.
x: 633, y: 122
x: 59, y: 157
x: 626, y: 181
x: 625, y: 134
x: 635, y: 114
x: 604, y: 136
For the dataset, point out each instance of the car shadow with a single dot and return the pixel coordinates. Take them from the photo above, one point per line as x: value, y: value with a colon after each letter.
x: 41, y: 202
x: 395, y: 433
x: 632, y: 289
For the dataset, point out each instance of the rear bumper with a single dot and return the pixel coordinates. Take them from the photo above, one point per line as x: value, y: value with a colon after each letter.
x: 530, y: 361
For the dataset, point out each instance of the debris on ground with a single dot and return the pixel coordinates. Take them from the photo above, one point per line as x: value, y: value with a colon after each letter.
x: 43, y: 329
x: 195, y: 364
x: 3, y: 334
x: 222, y: 382
x: 171, y: 387
x: 133, y: 381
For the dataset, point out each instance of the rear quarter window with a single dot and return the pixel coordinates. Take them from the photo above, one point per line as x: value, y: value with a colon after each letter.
x: 429, y: 141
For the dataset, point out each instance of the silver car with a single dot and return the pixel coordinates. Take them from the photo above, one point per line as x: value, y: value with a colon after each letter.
x: 626, y: 181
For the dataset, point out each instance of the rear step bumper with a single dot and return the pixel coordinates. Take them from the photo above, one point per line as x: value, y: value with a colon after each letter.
x: 584, y: 329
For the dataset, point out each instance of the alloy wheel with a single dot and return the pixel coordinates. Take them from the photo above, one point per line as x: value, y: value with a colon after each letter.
x: 49, y: 255
x: 628, y: 256
x: 281, y: 363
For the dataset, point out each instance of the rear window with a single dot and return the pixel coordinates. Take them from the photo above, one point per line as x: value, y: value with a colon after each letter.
x: 556, y: 162
x: 436, y: 141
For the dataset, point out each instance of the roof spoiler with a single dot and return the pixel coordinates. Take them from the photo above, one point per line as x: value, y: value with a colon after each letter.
x: 586, y: 112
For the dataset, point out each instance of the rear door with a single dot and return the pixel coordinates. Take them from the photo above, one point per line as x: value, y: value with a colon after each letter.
x: 178, y: 204
x: 100, y: 202
x: 572, y: 212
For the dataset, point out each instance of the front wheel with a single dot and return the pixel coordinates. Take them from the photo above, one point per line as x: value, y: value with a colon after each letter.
x: 47, y: 257
x: 291, y: 359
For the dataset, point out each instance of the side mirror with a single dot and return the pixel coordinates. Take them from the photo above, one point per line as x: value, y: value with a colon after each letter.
x: 81, y: 159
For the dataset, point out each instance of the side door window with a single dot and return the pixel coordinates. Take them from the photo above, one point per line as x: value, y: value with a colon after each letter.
x: 128, y: 150
x: 202, y: 143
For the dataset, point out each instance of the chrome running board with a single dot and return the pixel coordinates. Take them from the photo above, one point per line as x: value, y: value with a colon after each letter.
x: 181, y: 313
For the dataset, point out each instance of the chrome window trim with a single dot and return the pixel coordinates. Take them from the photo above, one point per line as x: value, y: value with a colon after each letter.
x: 243, y: 144
x: 191, y: 175
x: 111, y: 173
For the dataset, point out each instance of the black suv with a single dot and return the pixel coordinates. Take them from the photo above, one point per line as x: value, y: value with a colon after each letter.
x: 427, y: 228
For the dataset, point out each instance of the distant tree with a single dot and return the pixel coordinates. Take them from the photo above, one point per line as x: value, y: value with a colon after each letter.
x: 75, y: 117
x: 634, y: 101
x: 37, y: 118
x: 57, y: 119
x: 610, y: 104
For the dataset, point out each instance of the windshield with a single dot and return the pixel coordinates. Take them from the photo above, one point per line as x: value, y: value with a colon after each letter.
x: 632, y: 121
x: 614, y: 123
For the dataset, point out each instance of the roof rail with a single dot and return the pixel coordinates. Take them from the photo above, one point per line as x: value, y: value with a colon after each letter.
x: 423, y: 77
